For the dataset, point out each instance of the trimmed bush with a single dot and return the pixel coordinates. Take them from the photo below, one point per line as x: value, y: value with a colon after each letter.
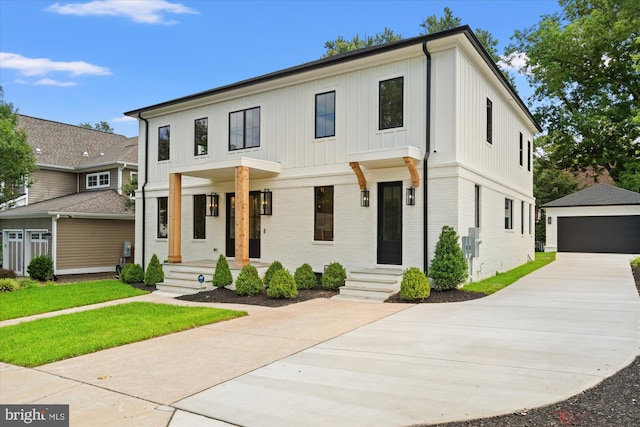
x: 154, y: 273
x: 8, y: 285
x: 28, y: 283
x: 40, y: 268
x: 275, y: 266
x: 415, y: 285
x: 132, y: 273
x: 222, y: 276
x: 248, y: 281
x: 449, y: 266
x: 305, y: 277
x: 282, y: 285
x: 334, y: 276
x: 7, y: 274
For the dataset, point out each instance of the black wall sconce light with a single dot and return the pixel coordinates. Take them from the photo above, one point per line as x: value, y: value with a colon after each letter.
x: 267, y: 202
x: 213, y: 202
x: 364, y: 198
x: 411, y: 196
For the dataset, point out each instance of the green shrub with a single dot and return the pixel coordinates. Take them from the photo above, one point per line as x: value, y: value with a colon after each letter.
x: 154, y: 273
x: 222, y: 277
x: 334, y: 276
x: 248, y: 281
x: 449, y: 266
x: 8, y: 285
x: 305, y: 277
x: 275, y: 266
x: 282, y: 285
x: 40, y: 268
x: 132, y: 273
x: 7, y: 274
x: 635, y: 262
x: 414, y: 285
x: 28, y: 283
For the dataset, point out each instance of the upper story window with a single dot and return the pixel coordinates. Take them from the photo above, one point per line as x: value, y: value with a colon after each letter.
x: 200, y: 140
x: 325, y: 114
x: 98, y: 180
x: 508, y: 214
x: 521, y: 150
x: 244, y: 129
x: 391, y: 103
x: 163, y: 143
x: 529, y: 156
x: 489, y: 121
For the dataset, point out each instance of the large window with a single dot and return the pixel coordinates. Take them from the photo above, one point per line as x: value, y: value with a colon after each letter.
x: 163, y: 204
x: 323, y: 218
x: 244, y: 129
x: 325, y: 114
x: 391, y: 103
x: 489, y: 121
x: 200, y: 140
x: 508, y: 214
x: 98, y: 180
x: 163, y: 143
x: 199, y: 210
x: 521, y: 150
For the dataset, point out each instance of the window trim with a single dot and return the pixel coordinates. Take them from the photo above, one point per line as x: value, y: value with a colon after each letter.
x: 244, y: 128
x: 316, y: 212
x: 165, y: 201
x: 98, y: 184
x: 333, y: 132
x: 508, y: 214
x: 196, y: 145
x: 160, y: 140
x: 489, y: 128
x: 380, y: 83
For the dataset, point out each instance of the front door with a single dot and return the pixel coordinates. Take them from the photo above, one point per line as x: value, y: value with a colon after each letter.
x: 390, y: 223
x: 254, y: 225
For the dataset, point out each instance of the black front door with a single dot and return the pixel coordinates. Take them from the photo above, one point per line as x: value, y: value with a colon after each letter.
x: 254, y: 225
x: 390, y: 223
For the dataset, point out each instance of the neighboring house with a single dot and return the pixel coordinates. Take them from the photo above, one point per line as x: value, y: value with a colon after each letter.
x: 359, y: 158
x: 74, y: 210
x: 602, y: 218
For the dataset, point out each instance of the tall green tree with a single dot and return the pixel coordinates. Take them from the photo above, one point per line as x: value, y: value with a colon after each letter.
x: 17, y: 161
x: 342, y: 45
x: 582, y: 62
x: 101, y: 126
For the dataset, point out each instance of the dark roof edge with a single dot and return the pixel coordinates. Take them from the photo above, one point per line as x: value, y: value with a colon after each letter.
x: 347, y: 57
x: 583, y: 205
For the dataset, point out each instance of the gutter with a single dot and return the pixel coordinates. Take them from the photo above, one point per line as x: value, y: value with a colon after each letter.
x: 425, y: 223
x: 146, y: 179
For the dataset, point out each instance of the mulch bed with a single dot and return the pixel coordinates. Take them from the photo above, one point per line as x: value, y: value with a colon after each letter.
x: 224, y: 295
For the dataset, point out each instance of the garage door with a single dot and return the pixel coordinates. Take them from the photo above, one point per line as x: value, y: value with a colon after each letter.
x: 604, y: 234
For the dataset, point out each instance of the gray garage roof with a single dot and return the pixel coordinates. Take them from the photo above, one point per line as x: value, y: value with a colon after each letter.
x: 94, y: 203
x: 598, y: 195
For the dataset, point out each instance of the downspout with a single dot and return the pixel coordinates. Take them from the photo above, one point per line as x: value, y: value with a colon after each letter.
x: 146, y: 178
x: 425, y: 224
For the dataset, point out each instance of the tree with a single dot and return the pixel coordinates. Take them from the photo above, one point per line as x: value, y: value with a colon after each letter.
x: 101, y: 126
x: 17, y: 161
x: 341, y: 45
x: 582, y: 63
x: 448, y: 266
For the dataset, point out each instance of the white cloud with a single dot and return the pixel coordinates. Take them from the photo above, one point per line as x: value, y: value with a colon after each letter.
x: 517, y: 62
x: 123, y: 119
x: 43, y: 66
x: 51, y: 82
x: 140, y: 11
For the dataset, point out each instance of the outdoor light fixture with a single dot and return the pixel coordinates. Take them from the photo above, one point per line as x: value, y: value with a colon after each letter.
x: 411, y: 196
x: 267, y: 202
x: 364, y: 198
x: 213, y: 202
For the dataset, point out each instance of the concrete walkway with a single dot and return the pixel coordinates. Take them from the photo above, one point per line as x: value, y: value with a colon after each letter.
x: 551, y: 335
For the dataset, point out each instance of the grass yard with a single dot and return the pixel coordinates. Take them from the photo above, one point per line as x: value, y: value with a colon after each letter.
x: 48, y: 340
x: 43, y: 299
x: 502, y: 280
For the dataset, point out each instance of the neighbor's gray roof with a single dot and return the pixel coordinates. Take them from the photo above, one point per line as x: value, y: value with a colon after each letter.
x: 104, y: 202
x: 60, y: 144
x: 598, y: 195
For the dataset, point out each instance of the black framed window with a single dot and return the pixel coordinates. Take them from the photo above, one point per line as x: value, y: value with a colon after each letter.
x: 199, y: 211
x: 508, y: 214
x: 323, y: 213
x: 522, y: 218
x: 163, y: 205
x: 521, y: 150
x: 164, y: 133
x: 325, y: 114
x: 477, y: 206
x: 391, y: 104
x: 530, y: 217
x: 529, y: 156
x: 244, y: 129
x: 201, y: 137
x: 489, y: 121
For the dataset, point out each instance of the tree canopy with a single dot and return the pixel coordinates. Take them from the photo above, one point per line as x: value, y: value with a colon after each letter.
x: 101, y: 126
x: 342, y: 45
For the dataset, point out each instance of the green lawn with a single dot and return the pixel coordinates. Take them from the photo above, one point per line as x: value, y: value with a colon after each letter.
x: 61, y: 337
x: 502, y: 280
x: 43, y: 299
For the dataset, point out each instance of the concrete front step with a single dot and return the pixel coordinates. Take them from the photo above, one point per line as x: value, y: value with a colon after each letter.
x: 371, y: 285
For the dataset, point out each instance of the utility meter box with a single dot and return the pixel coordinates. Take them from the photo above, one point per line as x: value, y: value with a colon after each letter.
x: 126, y: 249
x: 474, y: 241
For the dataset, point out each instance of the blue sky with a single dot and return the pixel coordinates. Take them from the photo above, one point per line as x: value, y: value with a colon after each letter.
x: 88, y: 61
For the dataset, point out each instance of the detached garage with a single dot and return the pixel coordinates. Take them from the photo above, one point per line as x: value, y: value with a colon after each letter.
x: 602, y: 218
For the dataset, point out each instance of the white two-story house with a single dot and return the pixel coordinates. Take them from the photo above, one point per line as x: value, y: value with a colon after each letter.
x: 359, y: 158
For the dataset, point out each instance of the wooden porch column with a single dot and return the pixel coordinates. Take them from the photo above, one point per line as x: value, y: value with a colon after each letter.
x: 175, y: 217
x: 242, y: 217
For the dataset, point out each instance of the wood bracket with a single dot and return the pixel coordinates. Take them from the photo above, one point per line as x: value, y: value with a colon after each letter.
x: 361, y: 179
x: 411, y: 165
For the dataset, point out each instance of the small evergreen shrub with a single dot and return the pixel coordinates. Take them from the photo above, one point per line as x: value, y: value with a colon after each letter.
x: 248, y: 281
x: 27, y: 283
x: 635, y: 262
x: 40, y: 268
x: 282, y: 285
x: 414, y: 285
x: 305, y: 277
x: 5, y: 273
x: 334, y: 276
x: 132, y: 273
x: 222, y: 276
x: 8, y: 285
x: 449, y: 266
x: 275, y: 266
x: 154, y: 273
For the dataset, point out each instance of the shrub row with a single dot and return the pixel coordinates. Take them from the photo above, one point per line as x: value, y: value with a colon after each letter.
x: 9, y: 284
x: 133, y: 273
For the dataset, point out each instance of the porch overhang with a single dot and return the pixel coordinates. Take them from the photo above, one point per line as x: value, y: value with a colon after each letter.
x: 387, y: 158
x: 225, y: 170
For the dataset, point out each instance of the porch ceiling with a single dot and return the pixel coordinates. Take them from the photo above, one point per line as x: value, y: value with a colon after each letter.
x: 386, y: 158
x: 225, y: 170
